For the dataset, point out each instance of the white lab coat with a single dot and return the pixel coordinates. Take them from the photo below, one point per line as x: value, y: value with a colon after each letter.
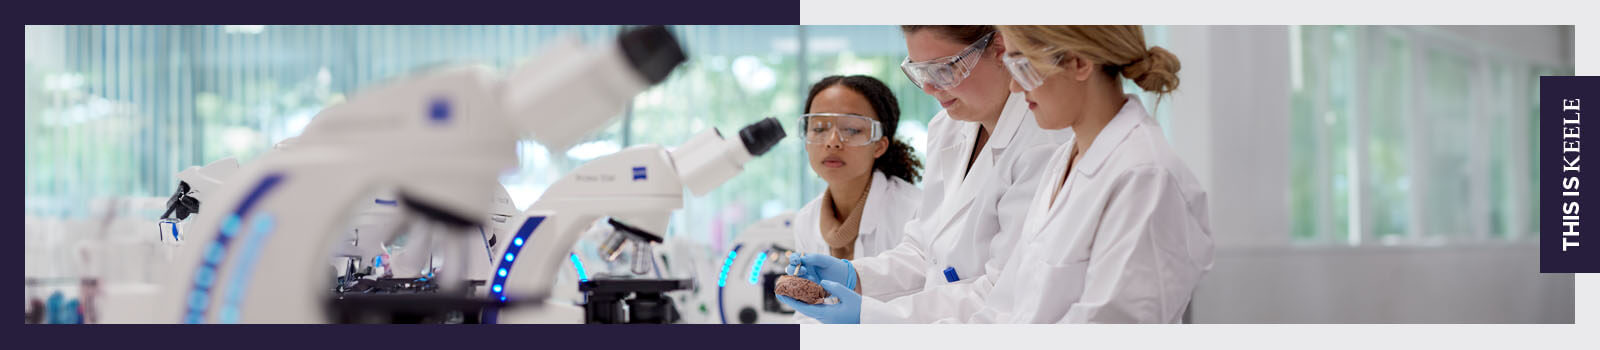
x: 1126, y: 240
x: 882, y: 219
x: 967, y: 221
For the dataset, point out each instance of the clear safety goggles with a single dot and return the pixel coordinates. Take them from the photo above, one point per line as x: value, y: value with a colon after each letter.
x: 1023, y: 72
x: 849, y: 129
x: 946, y: 72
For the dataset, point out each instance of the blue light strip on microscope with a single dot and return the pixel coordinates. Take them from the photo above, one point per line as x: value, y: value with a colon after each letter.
x: 755, y: 269
x: 503, y: 271
x: 723, y: 280
x: 583, y: 276
x: 200, y: 292
x: 260, y: 229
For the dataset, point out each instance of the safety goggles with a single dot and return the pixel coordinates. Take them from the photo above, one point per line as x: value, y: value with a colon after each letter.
x: 946, y: 72
x: 849, y: 129
x: 1023, y: 72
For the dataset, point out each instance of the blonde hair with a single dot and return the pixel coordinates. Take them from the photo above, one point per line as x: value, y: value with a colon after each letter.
x: 1117, y: 49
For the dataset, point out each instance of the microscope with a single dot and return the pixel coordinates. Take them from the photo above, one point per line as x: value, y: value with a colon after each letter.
x: 363, y: 263
x: 259, y: 249
x: 750, y: 271
x: 633, y: 193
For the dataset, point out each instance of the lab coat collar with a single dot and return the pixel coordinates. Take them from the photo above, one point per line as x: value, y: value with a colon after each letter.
x: 965, y: 191
x: 1040, y: 210
x: 1011, y: 117
x: 878, y: 198
x: 1121, y: 125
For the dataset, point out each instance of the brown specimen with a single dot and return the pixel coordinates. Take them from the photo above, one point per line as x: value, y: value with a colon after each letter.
x: 800, y: 289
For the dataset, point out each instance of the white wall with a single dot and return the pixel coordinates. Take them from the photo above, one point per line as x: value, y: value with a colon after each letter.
x: 1230, y: 121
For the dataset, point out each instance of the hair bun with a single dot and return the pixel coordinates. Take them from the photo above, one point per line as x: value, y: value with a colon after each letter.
x: 1157, y: 71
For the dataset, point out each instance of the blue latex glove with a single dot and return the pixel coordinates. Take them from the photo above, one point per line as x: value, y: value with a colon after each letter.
x: 847, y: 311
x: 822, y: 267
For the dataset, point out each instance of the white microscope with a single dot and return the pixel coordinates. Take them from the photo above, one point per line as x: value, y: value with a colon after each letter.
x: 632, y: 194
x: 374, y: 228
x: 750, y: 272
x: 368, y: 261
x: 260, y: 247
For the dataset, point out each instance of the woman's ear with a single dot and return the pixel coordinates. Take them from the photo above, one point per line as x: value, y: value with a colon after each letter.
x: 998, y: 44
x: 1081, y: 68
x: 883, y: 147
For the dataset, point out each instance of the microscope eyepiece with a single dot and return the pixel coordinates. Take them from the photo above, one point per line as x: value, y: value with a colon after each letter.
x: 652, y: 50
x: 180, y: 205
x: 760, y: 137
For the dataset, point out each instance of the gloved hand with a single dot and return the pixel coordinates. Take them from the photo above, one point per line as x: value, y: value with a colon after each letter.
x: 847, y: 311
x: 821, y: 267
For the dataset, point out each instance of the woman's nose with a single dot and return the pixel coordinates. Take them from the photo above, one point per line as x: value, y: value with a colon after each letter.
x: 1015, y: 87
x: 832, y: 141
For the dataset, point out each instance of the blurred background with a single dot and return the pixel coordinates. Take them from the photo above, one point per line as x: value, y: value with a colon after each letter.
x: 1356, y: 174
x: 1378, y: 174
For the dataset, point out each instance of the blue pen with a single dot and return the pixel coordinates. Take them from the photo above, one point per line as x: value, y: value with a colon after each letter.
x: 950, y: 275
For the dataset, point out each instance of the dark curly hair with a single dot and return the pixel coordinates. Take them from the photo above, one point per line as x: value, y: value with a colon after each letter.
x: 899, y: 161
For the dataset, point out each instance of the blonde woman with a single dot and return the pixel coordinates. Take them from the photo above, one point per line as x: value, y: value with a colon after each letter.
x: 1124, y: 234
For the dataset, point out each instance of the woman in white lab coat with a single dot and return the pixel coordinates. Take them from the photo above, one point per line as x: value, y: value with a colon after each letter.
x: 985, y: 153
x: 1120, y: 232
x: 1123, y: 233
x: 849, y: 130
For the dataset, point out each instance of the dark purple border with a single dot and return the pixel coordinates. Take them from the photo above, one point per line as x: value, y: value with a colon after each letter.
x: 549, y: 12
x: 422, y: 337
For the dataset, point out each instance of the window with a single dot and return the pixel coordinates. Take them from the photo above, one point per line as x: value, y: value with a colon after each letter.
x: 1411, y: 135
